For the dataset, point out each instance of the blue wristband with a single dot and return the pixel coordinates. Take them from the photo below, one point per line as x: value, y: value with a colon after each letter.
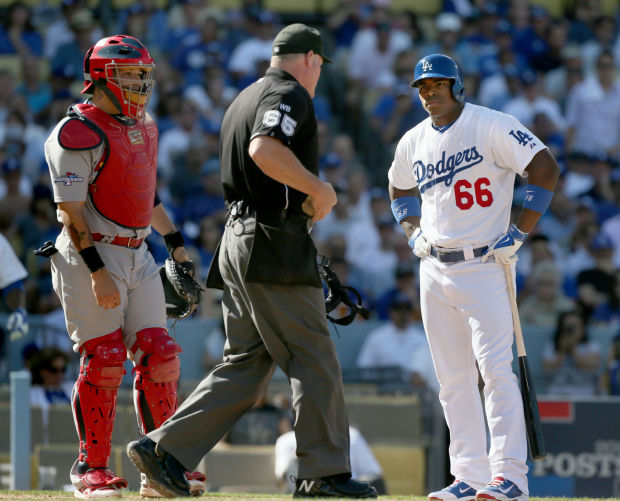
x: 406, y: 206
x: 537, y: 198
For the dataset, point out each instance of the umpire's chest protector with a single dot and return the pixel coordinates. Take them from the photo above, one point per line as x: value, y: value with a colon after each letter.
x: 123, y: 189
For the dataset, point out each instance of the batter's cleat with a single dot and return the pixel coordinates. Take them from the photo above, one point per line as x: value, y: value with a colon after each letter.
x: 96, y: 483
x: 457, y: 490
x: 196, y: 481
x: 500, y: 489
x: 331, y: 488
x: 163, y: 471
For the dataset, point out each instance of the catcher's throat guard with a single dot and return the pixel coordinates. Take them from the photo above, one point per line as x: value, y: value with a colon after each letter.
x: 338, y: 293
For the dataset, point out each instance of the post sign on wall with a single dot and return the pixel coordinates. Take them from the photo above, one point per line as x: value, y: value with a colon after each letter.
x: 583, y: 448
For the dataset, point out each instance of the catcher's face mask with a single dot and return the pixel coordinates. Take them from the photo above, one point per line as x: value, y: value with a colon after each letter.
x: 122, y: 68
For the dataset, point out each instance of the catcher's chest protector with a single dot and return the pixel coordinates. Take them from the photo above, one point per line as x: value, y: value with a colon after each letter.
x: 124, y: 188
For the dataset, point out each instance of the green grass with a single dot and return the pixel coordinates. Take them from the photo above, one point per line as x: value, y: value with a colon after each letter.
x: 39, y: 495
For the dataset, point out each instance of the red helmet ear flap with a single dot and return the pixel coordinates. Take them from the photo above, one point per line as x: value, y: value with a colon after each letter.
x: 88, y: 81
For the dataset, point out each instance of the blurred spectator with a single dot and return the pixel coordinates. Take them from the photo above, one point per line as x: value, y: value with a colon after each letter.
x: 49, y: 387
x: 17, y: 35
x: 394, y: 343
x: 12, y: 275
x: 262, y: 424
x: 35, y: 227
x: 372, y: 56
x: 48, y: 368
x: 58, y: 32
x: 532, y: 42
x: 70, y: 55
x: 571, y: 360
x: 558, y: 223
x: 593, y: 111
x: 595, y: 286
x: 183, y: 19
x: 546, y: 299
x: 210, y: 232
x: 405, y: 285
x: 146, y: 22
x: 37, y: 92
x: 578, y: 256
x: 175, y: 142
x: 608, y: 312
x: 531, y: 101
x: 395, y: 113
x: 548, y: 131
x: 549, y: 56
x: 380, y: 262
x: 15, y: 193
x: 364, y: 465
x: 448, y: 41
x: 337, y: 221
x: 601, y: 194
x: 558, y: 82
x: 604, y: 28
x: 251, y: 57
x: 213, y: 97
x: 611, y: 226
x: 343, y: 22
x: 609, y: 383
x: 206, y: 50
x: 214, y: 346
x: 496, y: 59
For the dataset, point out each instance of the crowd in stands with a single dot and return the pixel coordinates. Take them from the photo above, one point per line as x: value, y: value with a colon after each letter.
x: 557, y: 72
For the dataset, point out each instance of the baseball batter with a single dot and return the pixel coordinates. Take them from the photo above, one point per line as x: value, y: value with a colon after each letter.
x: 102, y: 159
x: 451, y: 185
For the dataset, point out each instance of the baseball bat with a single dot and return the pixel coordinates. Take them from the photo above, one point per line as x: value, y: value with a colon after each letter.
x: 533, y: 425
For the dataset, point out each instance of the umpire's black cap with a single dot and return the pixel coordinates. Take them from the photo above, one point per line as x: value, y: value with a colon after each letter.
x: 298, y: 39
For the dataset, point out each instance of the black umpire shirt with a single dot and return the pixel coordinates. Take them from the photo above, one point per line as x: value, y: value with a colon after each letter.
x: 278, y: 106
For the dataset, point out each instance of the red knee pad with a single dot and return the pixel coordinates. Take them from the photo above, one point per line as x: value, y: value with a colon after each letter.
x: 156, y: 376
x: 94, y: 396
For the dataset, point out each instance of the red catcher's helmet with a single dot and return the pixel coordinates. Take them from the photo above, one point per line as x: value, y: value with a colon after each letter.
x: 106, y: 65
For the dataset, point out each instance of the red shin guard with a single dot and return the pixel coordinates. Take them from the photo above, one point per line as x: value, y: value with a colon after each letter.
x: 94, y: 396
x: 156, y: 374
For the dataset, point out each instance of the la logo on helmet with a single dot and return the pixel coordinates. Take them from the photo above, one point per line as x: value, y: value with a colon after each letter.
x: 426, y: 66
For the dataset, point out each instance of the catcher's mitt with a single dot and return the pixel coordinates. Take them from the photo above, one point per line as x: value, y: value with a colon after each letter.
x: 182, y: 292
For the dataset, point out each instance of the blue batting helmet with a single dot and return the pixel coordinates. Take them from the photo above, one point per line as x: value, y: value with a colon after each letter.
x: 440, y: 66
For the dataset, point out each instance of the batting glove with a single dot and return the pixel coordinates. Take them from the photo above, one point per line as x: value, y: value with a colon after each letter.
x: 420, y: 246
x: 505, y: 248
x: 17, y: 324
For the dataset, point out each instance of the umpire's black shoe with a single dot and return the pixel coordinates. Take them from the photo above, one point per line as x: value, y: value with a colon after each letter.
x: 329, y: 487
x: 164, y: 472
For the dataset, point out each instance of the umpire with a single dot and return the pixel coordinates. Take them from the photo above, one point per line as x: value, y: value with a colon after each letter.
x: 273, y: 303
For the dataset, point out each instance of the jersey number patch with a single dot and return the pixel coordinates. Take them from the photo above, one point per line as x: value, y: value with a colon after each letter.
x: 464, y: 198
x: 271, y: 118
x: 521, y: 137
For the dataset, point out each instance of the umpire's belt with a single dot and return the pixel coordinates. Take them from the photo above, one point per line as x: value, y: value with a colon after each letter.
x: 130, y: 242
x: 271, y: 216
x: 455, y: 256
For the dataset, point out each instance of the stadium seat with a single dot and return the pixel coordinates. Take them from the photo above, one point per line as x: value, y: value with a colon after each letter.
x: 393, y: 420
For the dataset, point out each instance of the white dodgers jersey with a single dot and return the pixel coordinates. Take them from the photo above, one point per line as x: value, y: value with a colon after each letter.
x: 465, y: 175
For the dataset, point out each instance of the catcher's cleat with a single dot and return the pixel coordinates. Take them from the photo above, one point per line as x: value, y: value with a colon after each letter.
x: 96, y: 483
x: 163, y: 471
x: 329, y: 487
x: 196, y: 481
